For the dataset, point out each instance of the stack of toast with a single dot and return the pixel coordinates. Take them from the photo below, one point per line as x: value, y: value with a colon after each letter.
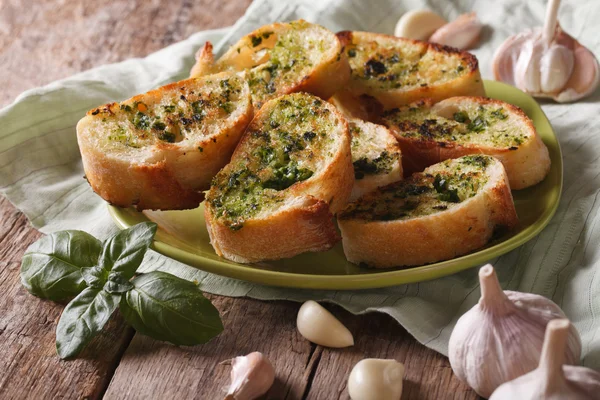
x: 295, y: 128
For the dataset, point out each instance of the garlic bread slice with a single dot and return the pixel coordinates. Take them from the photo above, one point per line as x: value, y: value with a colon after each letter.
x: 429, y: 133
x: 290, y: 172
x: 160, y: 150
x: 376, y: 157
x: 397, y: 71
x: 283, y: 58
x: 448, y: 210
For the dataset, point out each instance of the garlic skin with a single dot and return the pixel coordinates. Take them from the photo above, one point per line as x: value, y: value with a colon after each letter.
x: 376, y: 379
x: 501, y: 337
x: 251, y: 377
x: 418, y: 24
x: 552, y: 380
x: 319, y: 326
x: 462, y: 33
x: 548, y: 62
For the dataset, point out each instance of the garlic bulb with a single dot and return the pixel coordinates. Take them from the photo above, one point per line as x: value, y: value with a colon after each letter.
x: 418, y: 24
x: 552, y: 380
x: 375, y: 379
x: 501, y: 337
x: 462, y: 33
x: 548, y: 62
x: 319, y: 326
x: 251, y: 377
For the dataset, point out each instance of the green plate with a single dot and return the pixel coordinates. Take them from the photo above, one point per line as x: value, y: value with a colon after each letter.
x: 183, y: 236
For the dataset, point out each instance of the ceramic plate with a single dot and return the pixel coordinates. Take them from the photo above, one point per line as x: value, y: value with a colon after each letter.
x: 183, y: 236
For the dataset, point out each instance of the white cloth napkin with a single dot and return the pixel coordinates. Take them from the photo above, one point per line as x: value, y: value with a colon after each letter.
x: 41, y: 172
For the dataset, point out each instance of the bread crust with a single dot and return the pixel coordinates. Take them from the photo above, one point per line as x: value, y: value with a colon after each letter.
x: 305, y: 222
x: 468, y: 84
x: 331, y: 73
x: 435, y: 237
x: 171, y: 176
x: 526, y: 165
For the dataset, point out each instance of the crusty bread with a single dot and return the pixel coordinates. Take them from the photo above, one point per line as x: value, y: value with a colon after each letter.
x: 458, y: 126
x: 160, y: 150
x: 396, y: 71
x: 376, y: 157
x: 283, y: 58
x: 450, y: 209
x: 290, y: 172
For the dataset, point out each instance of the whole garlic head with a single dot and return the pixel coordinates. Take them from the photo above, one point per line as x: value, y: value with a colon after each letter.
x: 376, y: 379
x: 548, y: 62
x: 251, y: 377
x: 501, y: 337
x: 319, y: 326
x: 552, y: 380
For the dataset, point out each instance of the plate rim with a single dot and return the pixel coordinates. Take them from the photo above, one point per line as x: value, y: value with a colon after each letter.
x: 379, y: 279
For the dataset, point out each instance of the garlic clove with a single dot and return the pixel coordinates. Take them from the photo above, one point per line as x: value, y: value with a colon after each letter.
x: 556, y: 66
x: 552, y: 380
x: 376, y: 379
x: 585, y: 77
x: 251, y: 377
x: 501, y: 337
x: 527, y: 68
x: 462, y: 33
x: 418, y: 24
x: 319, y: 326
x: 506, y: 57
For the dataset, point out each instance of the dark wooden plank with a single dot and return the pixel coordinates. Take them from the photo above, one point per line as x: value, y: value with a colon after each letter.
x: 151, y: 370
x: 29, y: 366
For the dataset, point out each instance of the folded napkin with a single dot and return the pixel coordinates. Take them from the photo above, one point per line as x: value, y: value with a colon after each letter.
x: 41, y: 172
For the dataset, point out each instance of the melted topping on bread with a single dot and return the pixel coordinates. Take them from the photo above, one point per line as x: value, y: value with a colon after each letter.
x: 285, y: 147
x: 370, y: 154
x: 439, y: 188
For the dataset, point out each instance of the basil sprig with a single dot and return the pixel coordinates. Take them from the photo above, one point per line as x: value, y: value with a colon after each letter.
x: 99, y: 275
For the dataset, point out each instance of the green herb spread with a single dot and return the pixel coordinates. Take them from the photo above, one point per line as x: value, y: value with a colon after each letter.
x: 180, y: 110
x: 368, y: 159
x: 483, y: 125
x: 277, y: 152
x: 438, y: 188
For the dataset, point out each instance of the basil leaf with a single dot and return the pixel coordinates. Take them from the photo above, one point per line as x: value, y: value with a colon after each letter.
x: 125, y: 251
x: 51, y: 267
x: 95, y: 276
x: 171, y: 309
x: 117, y: 283
x: 82, y: 319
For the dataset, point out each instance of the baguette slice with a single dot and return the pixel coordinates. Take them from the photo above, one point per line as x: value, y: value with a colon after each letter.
x: 376, y: 157
x: 448, y: 210
x: 397, y: 71
x: 283, y: 58
x: 160, y: 149
x: 458, y: 126
x: 290, y: 172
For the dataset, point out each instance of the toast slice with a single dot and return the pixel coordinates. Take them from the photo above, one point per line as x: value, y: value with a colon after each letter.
x: 160, y: 150
x: 283, y: 58
x: 290, y: 172
x: 376, y: 157
x: 397, y: 71
x: 448, y: 210
x: 454, y: 127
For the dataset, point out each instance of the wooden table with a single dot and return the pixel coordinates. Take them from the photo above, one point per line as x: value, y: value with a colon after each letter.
x: 43, y: 41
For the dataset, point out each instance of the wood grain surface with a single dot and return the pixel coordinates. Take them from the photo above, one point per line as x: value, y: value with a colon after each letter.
x: 47, y: 40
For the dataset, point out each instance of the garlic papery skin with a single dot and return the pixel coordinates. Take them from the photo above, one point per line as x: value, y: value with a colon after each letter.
x: 501, y: 337
x: 251, y: 377
x: 376, y: 379
x: 319, y: 326
x: 418, y: 24
x: 462, y: 33
x: 552, y: 380
x: 548, y: 62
